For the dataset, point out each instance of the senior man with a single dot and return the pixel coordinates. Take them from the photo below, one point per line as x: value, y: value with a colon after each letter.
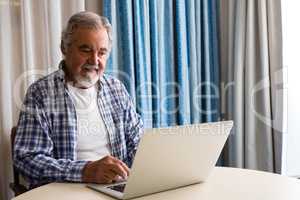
x: 78, y: 124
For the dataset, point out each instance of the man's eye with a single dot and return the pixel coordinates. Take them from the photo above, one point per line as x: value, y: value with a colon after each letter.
x: 102, y: 53
x: 86, y: 50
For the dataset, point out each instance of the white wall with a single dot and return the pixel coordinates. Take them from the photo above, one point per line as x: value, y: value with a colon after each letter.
x: 291, y: 61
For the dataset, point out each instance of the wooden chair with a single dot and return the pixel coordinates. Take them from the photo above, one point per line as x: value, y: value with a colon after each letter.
x: 16, y: 186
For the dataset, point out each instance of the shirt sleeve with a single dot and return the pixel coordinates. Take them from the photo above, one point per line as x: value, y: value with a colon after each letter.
x: 133, y: 128
x: 33, y: 148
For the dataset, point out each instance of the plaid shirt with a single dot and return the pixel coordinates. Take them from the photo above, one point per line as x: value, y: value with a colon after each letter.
x: 45, y: 143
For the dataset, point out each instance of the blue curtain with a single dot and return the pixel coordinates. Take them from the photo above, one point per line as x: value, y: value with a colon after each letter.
x: 166, y: 54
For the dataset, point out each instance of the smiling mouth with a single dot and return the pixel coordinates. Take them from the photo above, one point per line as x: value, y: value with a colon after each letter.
x: 90, y: 68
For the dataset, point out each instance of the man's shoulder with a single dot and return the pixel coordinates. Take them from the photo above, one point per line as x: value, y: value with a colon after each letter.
x: 112, y: 82
x: 114, y: 88
x: 108, y: 79
x: 46, y: 83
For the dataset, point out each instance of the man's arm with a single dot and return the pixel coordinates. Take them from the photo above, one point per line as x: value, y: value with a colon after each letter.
x: 33, y: 149
x: 133, y: 128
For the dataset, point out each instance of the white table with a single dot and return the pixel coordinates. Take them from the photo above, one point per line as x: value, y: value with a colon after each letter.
x: 223, y: 183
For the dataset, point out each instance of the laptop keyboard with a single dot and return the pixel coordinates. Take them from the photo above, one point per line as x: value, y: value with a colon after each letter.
x: 119, y: 188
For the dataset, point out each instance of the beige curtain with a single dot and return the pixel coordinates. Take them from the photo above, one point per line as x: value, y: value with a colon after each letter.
x: 251, y: 77
x: 29, y: 48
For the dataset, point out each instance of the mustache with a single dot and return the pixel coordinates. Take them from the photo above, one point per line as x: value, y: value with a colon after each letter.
x: 89, y: 67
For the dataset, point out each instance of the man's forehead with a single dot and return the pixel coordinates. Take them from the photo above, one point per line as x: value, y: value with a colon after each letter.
x: 88, y: 36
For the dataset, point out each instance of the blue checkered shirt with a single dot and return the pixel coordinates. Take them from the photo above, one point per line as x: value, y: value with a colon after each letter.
x: 45, y: 143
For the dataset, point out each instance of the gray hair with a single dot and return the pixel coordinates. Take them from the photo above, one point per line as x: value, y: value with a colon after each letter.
x: 85, y: 19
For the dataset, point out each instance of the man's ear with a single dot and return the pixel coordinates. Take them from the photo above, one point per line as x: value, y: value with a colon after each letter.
x: 62, y: 48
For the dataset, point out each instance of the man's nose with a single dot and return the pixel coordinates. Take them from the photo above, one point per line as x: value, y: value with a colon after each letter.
x: 93, y: 59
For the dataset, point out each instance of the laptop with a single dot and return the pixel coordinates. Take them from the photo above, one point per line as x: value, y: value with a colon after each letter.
x: 172, y: 157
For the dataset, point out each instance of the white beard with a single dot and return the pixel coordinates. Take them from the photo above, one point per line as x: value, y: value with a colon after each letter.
x: 85, y: 81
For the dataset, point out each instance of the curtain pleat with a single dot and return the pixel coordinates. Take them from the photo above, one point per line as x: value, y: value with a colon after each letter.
x: 181, y: 62
x: 10, y: 70
x: 248, y: 67
x: 142, y: 58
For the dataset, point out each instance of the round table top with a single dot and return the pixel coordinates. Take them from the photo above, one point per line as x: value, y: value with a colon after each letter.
x: 223, y: 183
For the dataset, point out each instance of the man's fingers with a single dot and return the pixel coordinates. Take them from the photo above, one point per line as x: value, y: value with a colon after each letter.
x: 109, y: 176
x: 107, y: 179
x: 118, y: 178
x: 112, y: 169
x: 123, y: 166
x: 117, y: 169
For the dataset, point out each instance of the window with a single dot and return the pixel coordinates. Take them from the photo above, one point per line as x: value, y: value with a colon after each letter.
x: 291, y: 57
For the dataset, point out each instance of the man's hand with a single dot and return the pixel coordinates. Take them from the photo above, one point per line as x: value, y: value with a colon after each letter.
x: 106, y: 170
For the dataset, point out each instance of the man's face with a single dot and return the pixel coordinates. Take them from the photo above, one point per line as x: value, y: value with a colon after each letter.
x: 86, y: 56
